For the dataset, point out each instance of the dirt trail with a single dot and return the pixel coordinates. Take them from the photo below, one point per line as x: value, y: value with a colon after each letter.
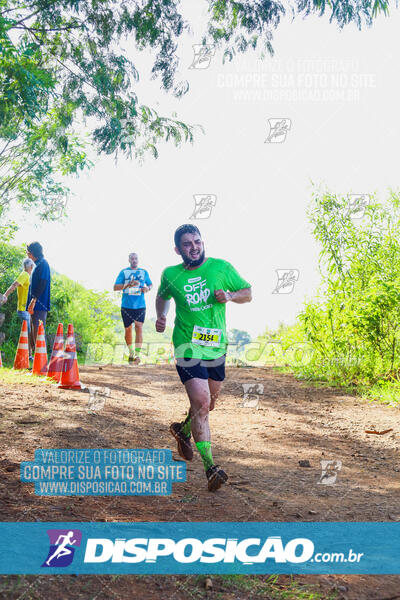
x: 260, y: 448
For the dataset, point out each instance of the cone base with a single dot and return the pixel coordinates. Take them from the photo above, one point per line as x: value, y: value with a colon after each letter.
x: 71, y: 386
x: 40, y: 372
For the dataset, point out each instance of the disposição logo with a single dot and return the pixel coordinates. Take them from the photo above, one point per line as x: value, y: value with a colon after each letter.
x: 63, y: 543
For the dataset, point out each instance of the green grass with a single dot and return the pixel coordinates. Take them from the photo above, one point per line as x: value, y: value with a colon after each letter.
x: 262, y: 586
x: 11, y: 376
x: 384, y: 392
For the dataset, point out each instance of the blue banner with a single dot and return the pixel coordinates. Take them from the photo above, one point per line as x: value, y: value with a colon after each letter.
x: 191, y: 548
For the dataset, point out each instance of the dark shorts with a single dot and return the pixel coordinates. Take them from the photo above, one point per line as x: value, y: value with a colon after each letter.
x: 129, y: 315
x: 189, y: 368
x: 38, y: 315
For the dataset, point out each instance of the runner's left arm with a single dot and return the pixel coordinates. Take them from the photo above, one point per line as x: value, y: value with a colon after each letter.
x: 236, y: 290
x: 240, y: 296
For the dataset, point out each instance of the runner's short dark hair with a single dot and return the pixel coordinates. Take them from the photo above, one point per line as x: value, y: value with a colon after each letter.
x: 35, y: 249
x: 182, y: 230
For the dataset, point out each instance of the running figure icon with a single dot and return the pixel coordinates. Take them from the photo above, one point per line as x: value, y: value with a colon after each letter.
x: 62, y: 549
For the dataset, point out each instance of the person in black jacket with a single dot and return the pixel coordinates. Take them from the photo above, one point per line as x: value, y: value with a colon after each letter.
x: 38, y: 303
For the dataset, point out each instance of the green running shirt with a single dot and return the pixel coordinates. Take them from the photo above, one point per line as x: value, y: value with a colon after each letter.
x: 200, y: 324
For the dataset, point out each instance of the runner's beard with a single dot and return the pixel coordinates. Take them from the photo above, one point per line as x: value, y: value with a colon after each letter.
x: 193, y: 263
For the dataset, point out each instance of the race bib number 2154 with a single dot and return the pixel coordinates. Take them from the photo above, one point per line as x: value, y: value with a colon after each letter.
x: 206, y: 337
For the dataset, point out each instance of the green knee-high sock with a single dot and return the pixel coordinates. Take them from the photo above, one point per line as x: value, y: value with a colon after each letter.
x: 186, y: 426
x: 205, y: 452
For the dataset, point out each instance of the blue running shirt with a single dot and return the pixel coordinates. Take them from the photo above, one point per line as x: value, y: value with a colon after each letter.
x: 133, y: 297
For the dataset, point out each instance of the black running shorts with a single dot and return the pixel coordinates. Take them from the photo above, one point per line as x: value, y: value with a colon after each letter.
x: 129, y: 315
x: 189, y: 368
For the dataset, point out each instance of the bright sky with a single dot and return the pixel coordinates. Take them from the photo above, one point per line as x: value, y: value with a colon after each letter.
x: 340, y: 90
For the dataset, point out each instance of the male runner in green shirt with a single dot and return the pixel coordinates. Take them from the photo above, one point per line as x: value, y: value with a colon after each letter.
x: 201, y: 287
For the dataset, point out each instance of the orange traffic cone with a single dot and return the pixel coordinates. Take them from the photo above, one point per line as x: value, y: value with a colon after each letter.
x: 40, y: 358
x: 70, y: 371
x: 22, y: 355
x: 57, y: 355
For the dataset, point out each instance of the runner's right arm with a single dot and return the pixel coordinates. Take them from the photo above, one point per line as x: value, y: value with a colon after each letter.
x: 162, y: 308
x: 162, y: 303
x: 120, y: 284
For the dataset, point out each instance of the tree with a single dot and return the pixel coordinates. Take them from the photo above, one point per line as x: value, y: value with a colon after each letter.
x: 61, y: 67
x: 58, y: 68
x: 353, y: 322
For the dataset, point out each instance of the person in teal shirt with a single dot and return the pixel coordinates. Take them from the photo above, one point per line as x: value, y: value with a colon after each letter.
x: 134, y: 282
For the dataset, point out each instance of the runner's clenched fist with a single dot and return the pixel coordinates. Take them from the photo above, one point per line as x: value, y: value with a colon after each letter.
x: 222, y: 296
x: 161, y: 324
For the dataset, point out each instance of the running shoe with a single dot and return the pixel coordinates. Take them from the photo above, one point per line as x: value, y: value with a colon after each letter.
x: 184, y: 445
x: 216, y: 477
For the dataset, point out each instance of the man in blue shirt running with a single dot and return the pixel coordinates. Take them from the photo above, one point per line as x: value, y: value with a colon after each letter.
x: 134, y: 283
